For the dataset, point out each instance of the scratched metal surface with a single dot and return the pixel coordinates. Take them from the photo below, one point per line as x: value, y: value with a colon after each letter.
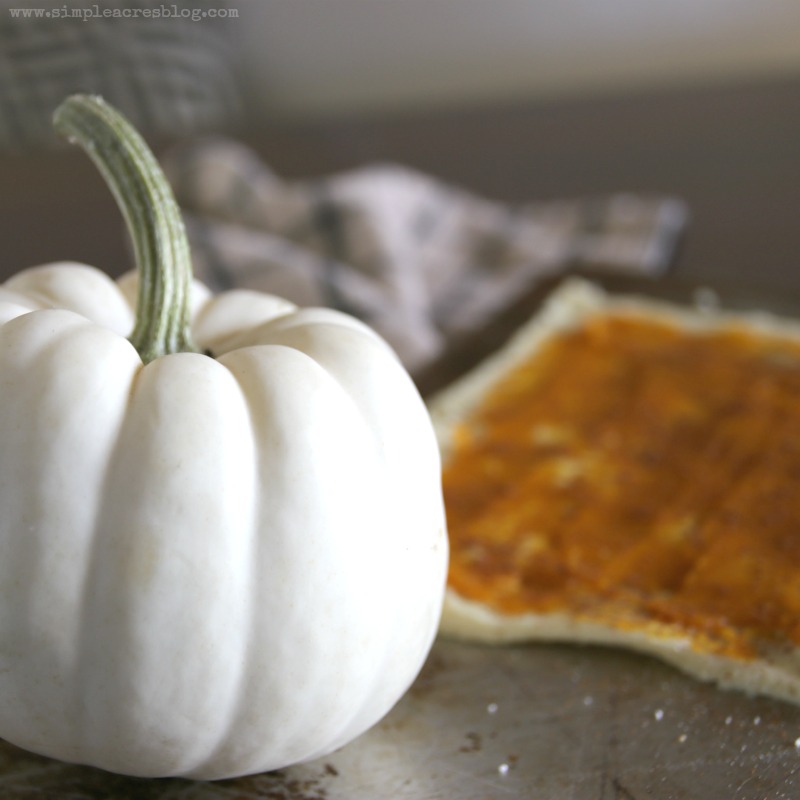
x: 548, y: 722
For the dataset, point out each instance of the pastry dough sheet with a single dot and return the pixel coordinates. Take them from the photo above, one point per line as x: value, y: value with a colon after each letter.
x: 772, y: 668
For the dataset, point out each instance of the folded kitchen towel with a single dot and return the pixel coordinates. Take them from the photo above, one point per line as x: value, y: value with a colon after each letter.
x: 171, y: 68
x: 421, y: 261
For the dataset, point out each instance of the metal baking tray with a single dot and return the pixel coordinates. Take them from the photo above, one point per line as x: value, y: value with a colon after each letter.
x: 543, y: 721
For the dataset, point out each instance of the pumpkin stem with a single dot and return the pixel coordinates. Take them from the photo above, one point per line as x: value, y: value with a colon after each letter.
x: 151, y: 214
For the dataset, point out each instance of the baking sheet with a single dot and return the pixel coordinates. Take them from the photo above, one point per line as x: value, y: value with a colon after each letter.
x: 551, y: 722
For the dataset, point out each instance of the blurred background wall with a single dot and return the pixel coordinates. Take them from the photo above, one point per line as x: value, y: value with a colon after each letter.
x: 179, y: 67
x: 308, y: 58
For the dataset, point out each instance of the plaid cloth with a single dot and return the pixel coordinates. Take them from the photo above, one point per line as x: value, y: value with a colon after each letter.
x: 171, y: 73
x: 419, y: 260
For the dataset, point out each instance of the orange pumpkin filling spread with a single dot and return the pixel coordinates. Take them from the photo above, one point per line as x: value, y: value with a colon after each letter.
x: 637, y: 475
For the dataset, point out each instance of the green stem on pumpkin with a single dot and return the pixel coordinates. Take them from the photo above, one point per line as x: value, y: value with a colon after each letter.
x: 151, y: 214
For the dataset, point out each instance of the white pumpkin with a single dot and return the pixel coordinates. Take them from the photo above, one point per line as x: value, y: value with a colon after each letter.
x: 211, y: 566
